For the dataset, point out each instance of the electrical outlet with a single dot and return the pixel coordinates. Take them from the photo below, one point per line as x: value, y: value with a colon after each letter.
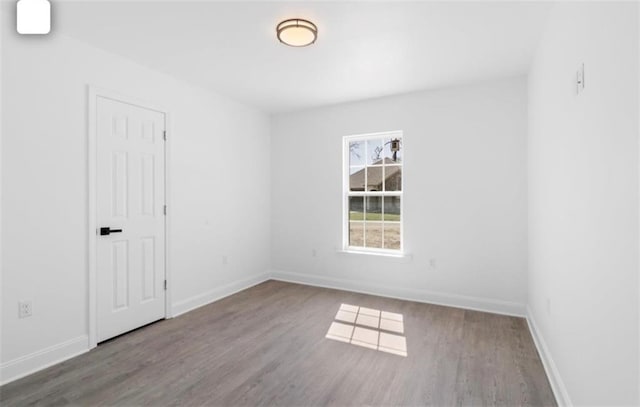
x: 225, y: 260
x: 314, y: 253
x: 580, y: 79
x: 432, y: 264
x: 24, y: 309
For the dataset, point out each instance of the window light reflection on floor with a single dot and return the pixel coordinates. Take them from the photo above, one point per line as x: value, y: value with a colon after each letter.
x: 369, y: 328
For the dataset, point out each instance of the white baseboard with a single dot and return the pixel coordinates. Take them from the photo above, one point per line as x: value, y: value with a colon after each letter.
x: 216, y: 294
x: 42, y: 359
x: 31, y: 363
x: 557, y: 385
x: 411, y: 294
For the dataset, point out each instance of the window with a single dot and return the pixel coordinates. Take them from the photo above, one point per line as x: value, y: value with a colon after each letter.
x: 373, y: 192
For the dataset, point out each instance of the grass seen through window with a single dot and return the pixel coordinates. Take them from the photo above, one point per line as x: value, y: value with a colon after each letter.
x: 354, y: 215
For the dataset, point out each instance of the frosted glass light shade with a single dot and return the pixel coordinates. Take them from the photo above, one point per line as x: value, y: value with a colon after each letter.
x: 296, y: 32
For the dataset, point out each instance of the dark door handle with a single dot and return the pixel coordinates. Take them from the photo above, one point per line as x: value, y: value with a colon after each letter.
x: 107, y: 231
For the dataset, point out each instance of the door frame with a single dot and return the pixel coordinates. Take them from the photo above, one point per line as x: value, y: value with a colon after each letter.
x: 93, y: 92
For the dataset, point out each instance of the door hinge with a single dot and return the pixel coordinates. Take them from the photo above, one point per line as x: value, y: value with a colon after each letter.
x: 164, y: 135
x: 165, y: 285
x: 164, y: 210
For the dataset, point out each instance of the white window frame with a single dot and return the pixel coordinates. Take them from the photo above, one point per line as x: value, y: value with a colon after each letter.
x: 346, y: 193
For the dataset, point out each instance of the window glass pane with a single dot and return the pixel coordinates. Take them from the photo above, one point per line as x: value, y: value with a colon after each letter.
x: 374, y: 152
x: 375, y: 169
x: 356, y: 234
x: 356, y: 208
x: 392, y: 236
x: 374, y: 178
x: 356, y: 218
x: 356, y: 178
x: 393, y: 178
x: 373, y: 235
x: 392, y: 208
x: 393, y: 151
x: 356, y: 153
x: 374, y: 207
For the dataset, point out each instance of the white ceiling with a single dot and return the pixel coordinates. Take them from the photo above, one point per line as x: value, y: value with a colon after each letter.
x: 364, y: 49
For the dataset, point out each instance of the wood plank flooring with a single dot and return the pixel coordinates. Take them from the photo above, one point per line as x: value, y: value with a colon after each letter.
x: 267, y: 346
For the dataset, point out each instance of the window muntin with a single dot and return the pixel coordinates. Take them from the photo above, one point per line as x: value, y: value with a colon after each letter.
x: 373, y: 192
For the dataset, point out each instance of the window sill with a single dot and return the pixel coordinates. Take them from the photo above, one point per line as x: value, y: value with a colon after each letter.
x: 399, y: 257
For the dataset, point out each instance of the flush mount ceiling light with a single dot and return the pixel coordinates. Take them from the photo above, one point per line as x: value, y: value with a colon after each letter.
x: 296, y: 32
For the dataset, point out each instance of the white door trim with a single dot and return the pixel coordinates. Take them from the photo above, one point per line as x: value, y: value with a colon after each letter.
x: 93, y: 93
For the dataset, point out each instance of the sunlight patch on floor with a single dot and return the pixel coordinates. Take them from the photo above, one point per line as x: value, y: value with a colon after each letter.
x: 369, y: 328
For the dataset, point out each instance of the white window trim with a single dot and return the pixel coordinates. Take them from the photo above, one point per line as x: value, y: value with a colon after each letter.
x: 346, y: 193
x: 395, y: 256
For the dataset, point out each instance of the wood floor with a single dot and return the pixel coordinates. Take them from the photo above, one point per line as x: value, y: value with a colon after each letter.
x: 267, y: 346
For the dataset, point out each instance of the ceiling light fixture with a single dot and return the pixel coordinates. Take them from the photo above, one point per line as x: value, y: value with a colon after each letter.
x: 296, y: 32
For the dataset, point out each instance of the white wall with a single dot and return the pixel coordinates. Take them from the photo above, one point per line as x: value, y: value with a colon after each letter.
x: 465, y: 196
x: 2, y: 23
x: 583, y: 211
x: 220, y: 183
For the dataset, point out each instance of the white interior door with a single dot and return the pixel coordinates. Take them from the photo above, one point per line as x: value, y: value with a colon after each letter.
x: 130, y: 199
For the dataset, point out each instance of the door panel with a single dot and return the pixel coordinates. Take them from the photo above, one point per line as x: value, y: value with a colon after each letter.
x: 130, y: 197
